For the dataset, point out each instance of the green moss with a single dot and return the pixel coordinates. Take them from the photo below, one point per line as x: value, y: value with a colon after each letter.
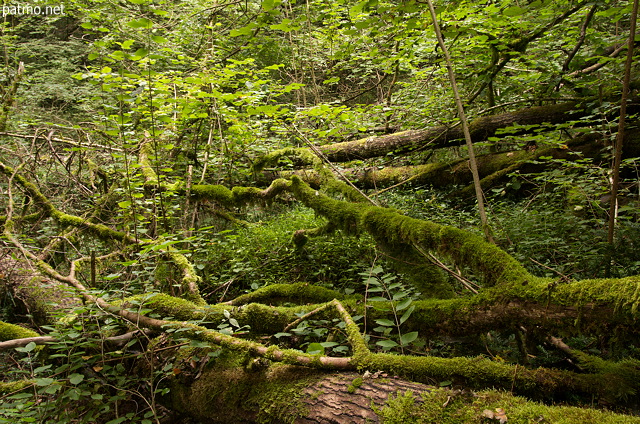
x: 355, y: 384
x: 402, y: 409
x: 238, y: 196
x: 296, y: 292
x: 190, y: 279
x: 344, y: 215
x: 446, y: 407
x: 315, y: 395
x: 169, y: 306
x: 15, y: 386
x: 100, y: 230
x: 229, y: 393
x: 541, y: 383
x: 398, y: 233
x: 618, y: 295
x: 217, y: 193
x: 302, y: 155
x: 12, y: 331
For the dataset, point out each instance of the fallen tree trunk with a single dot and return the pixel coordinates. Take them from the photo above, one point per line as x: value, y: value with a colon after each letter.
x: 239, y: 364
x: 435, y: 137
x: 492, y: 167
x: 287, y: 394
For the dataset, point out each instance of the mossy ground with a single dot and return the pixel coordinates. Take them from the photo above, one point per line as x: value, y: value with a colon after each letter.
x: 444, y: 406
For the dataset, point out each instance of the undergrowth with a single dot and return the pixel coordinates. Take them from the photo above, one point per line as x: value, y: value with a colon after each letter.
x: 243, y: 259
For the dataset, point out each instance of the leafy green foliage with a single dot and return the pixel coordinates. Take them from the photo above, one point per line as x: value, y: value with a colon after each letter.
x: 244, y: 259
x: 76, y: 381
x: 318, y: 336
x: 135, y: 102
x: 384, y: 293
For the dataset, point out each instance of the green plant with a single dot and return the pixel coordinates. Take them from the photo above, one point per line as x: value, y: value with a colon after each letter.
x: 319, y: 336
x: 231, y: 326
x: 384, y: 294
x: 241, y: 259
x: 81, y: 378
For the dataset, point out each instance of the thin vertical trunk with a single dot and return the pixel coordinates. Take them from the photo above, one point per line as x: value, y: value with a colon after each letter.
x: 465, y: 126
x: 621, y: 124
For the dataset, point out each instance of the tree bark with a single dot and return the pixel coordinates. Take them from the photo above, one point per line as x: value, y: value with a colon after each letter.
x: 445, y: 135
x: 492, y: 167
x: 286, y: 394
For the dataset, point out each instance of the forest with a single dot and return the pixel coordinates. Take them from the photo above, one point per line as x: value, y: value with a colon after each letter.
x: 314, y: 211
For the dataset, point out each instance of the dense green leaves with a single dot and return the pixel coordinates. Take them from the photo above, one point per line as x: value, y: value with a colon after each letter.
x: 126, y: 106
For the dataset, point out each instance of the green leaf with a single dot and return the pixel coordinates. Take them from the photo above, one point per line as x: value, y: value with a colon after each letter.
x: 405, y: 339
x: 404, y: 304
x: 514, y: 11
x: 139, y: 54
x: 362, y: 24
x: 268, y: 4
x: 246, y: 30
x: 377, y: 299
x: 126, y: 204
x: 44, y: 381
x: 407, y: 314
x: 118, y: 55
x: 140, y: 23
x: 331, y: 80
x: 158, y: 39
x: 28, y: 348
x: 75, y: 378
x: 315, y: 349
x: 52, y: 389
x: 286, y: 26
x: 388, y: 344
x: 42, y: 368
x: 399, y: 295
x: 127, y: 44
x: 385, y: 322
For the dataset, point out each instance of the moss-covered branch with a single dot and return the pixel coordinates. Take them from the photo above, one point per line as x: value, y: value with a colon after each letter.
x: 189, y: 276
x: 297, y: 292
x: 396, y: 232
x: 239, y: 196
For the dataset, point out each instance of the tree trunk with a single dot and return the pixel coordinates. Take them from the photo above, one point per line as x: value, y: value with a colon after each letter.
x: 285, y: 394
x: 446, y: 136
x: 492, y: 167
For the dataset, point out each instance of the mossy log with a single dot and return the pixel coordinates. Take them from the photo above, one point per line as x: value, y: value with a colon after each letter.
x: 40, y: 297
x: 586, y: 307
x: 492, y: 167
x: 257, y: 392
x: 435, y: 137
